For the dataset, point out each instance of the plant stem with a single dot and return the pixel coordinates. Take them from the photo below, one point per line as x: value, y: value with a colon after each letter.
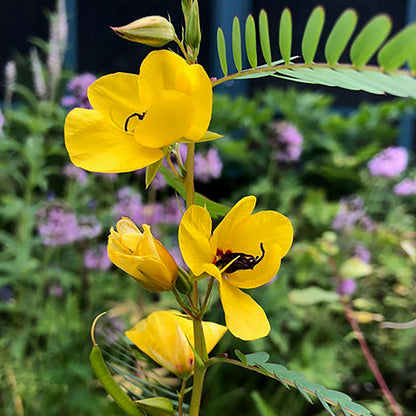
x: 189, y: 176
x: 207, y: 297
x: 199, y: 371
x: 372, y: 363
x: 181, y: 397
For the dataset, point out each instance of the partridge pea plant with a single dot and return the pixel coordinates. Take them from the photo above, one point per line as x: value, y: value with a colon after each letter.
x: 139, y: 121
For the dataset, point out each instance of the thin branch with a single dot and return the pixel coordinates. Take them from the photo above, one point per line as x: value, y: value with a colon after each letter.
x: 372, y: 363
x: 399, y: 325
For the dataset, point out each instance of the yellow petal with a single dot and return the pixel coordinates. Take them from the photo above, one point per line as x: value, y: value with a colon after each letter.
x: 212, y: 270
x: 161, y: 337
x: 130, y: 235
x: 166, y: 121
x: 194, y: 233
x: 213, y: 332
x: 94, y: 144
x: 116, y: 97
x: 262, y: 273
x: 200, y: 93
x: 241, y: 210
x: 159, y: 71
x: 268, y: 227
x: 244, y: 317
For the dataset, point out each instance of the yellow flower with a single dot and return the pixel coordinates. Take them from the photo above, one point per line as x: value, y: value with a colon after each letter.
x: 142, y: 256
x: 244, y: 251
x: 165, y: 336
x: 135, y: 117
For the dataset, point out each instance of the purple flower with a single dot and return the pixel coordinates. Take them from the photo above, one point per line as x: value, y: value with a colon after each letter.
x: 362, y: 253
x: 158, y: 182
x: 110, y: 176
x: 173, y: 211
x: 287, y: 142
x: 347, y: 287
x: 405, y: 187
x: 56, y: 291
x: 78, y: 174
x: 152, y: 214
x: 129, y: 205
x: 177, y: 256
x: 57, y: 224
x: 112, y: 329
x: 78, y: 87
x: 97, y: 258
x: 89, y: 227
x: 389, y: 163
x: 351, y: 213
x: 208, y: 166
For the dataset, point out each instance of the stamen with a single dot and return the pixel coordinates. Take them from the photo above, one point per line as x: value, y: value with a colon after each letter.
x: 231, y: 262
x: 139, y: 115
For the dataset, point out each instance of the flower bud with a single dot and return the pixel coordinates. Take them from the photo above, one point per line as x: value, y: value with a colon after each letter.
x: 151, y: 30
x: 193, y: 28
x: 142, y: 256
x: 168, y: 338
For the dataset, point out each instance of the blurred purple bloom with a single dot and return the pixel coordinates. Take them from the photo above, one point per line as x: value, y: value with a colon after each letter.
x: 158, y: 182
x: 6, y: 294
x: 405, y: 187
x: 112, y: 329
x: 208, y: 166
x: 362, y: 253
x: 389, y: 163
x: 97, y: 258
x: 351, y: 213
x: 129, y: 205
x: 152, y: 214
x: 287, y: 140
x: 89, y: 227
x: 56, y: 291
x: 175, y: 252
x: 78, y: 87
x: 110, y: 176
x: 173, y: 211
x: 57, y: 225
x: 78, y: 174
x: 347, y: 287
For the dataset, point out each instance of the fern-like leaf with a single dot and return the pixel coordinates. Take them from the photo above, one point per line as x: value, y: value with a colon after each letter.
x: 292, y: 379
x: 388, y: 77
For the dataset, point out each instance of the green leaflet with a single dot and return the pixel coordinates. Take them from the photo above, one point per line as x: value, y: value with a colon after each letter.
x: 251, y: 45
x: 296, y: 380
x: 370, y: 39
x: 236, y: 40
x: 264, y: 37
x: 340, y: 35
x: 222, y: 54
x: 285, y: 35
x: 312, y: 34
x: 215, y: 209
x: 151, y: 172
x: 397, y: 50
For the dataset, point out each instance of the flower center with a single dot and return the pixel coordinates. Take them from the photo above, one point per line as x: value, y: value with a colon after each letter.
x: 240, y: 261
x: 140, y: 116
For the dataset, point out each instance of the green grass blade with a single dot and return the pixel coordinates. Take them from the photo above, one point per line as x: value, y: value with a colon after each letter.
x: 265, y: 37
x: 312, y: 34
x: 251, y: 45
x: 221, y: 51
x: 285, y: 35
x: 370, y: 39
x: 236, y: 42
x: 397, y: 50
x: 340, y: 35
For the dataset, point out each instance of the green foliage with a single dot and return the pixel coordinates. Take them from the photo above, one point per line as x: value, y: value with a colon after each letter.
x: 306, y: 388
x: 354, y: 76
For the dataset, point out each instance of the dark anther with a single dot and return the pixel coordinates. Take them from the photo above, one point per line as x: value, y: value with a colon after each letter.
x: 242, y: 262
x: 139, y: 115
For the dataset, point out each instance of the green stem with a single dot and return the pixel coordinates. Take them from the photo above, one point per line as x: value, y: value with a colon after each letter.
x: 205, y: 302
x: 199, y: 371
x: 181, y: 397
x: 189, y: 176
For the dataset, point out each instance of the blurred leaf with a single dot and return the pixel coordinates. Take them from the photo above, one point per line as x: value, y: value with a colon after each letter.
x: 311, y: 296
x: 355, y: 268
x: 262, y: 407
